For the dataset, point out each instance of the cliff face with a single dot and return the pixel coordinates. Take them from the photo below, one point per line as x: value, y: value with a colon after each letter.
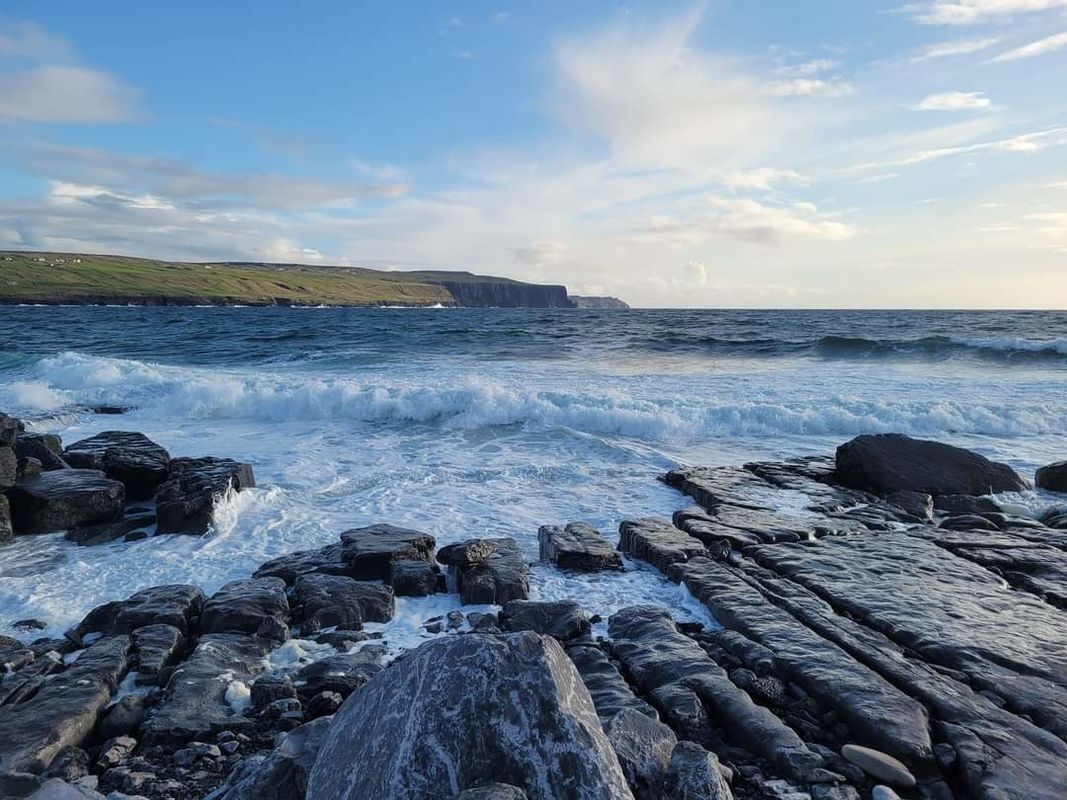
x: 507, y: 295
x: 598, y: 302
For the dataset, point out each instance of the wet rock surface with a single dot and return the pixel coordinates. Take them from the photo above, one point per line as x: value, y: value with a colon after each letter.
x: 132, y: 458
x: 185, y: 501
x: 525, y: 717
x: 65, y: 498
x: 874, y: 637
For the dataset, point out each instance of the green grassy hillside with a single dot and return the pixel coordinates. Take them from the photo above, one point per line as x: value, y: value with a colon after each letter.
x: 74, y: 278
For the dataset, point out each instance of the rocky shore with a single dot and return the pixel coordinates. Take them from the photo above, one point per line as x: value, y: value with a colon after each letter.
x: 883, y: 624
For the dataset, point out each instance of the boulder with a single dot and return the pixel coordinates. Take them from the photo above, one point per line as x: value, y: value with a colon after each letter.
x: 123, y: 718
x: 416, y: 578
x: 371, y: 552
x: 501, y: 574
x: 694, y: 774
x: 879, y: 765
x: 643, y: 746
x: 579, y: 547
x: 9, y: 468
x: 157, y: 647
x: 517, y: 713
x: 47, y: 448
x: 563, y: 619
x: 170, y: 604
x: 338, y: 601
x: 125, y: 456
x: 341, y: 674
x: 891, y: 462
x: 1052, y: 477
x: 208, y: 692
x: 658, y: 542
x: 63, y: 499
x: 185, y: 501
x: 283, y: 773
x: 256, y: 605
x: 291, y: 566
x: 10, y: 429
x: 57, y: 789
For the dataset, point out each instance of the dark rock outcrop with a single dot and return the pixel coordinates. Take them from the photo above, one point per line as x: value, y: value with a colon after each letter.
x: 489, y: 571
x: 257, y: 605
x: 65, y: 498
x: 892, y: 462
x: 1052, y: 477
x: 563, y: 619
x: 518, y: 713
x: 47, y: 448
x: 185, y: 501
x: 579, y: 547
x: 339, y: 601
x: 132, y: 458
x: 504, y: 294
x: 171, y: 604
x: 371, y: 552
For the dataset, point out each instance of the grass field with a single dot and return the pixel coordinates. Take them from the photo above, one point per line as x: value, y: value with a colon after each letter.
x: 29, y: 277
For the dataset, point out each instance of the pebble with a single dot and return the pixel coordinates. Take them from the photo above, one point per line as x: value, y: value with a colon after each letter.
x: 879, y: 765
x: 881, y: 792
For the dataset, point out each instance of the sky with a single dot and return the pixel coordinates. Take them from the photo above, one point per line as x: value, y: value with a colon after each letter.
x: 727, y: 153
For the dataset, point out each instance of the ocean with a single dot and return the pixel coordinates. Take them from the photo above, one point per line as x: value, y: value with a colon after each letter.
x: 475, y: 422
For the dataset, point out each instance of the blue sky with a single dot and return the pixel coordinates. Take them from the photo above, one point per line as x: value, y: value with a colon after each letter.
x: 825, y: 153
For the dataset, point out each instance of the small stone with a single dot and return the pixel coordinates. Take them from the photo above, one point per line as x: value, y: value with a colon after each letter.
x: 881, y: 792
x: 879, y: 765
x: 323, y: 705
x: 821, y: 775
x: 137, y: 780
x: 226, y: 736
x: 267, y: 689
x: 204, y: 750
x: 230, y: 747
x: 115, y: 751
x: 286, y: 705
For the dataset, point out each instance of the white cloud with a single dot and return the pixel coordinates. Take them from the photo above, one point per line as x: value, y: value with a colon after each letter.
x: 953, y: 101
x: 42, y: 81
x: 1023, y: 143
x: 805, y: 87
x: 957, y: 47
x: 654, y: 99
x: 808, y: 68
x: 764, y: 178
x: 971, y: 12
x: 65, y: 94
x: 1038, y: 48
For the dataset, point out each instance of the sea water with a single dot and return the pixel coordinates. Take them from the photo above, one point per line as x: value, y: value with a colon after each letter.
x: 491, y: 422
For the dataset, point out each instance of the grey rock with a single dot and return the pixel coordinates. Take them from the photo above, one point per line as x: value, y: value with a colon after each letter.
x: 916, y: 506
x: 65, y: 498
x: 610, y: 692
x: 244, y: 606
x: 194, y: 704
x: 643, y: 746
x: 339, y: 601
x: 694, y: 774
x: 411, y: 578
x: 185, y: 501
x: 689, y: 689
x: 56, y: 789
x: 126, y: 528
x: 171, y: 604
x: 1052, y: 477
x: 115, y: 751
x: 500, y: 577
x: 124, y: 718
x: 289, y: 567
x: 268, y: 688
x: 371, y: 552
x: 881, y: 792
x: 70, y: 764
x: 10, y: 429
x: 492, y: 791
x: 157, y: 647
x: 879, y: 765
x: 9, y: 468
x: 323, y: 704
x: 579, y: 547
x: 562, y: 619
x: 286, y: 705
x: 283, y: 773
x: 658, y: 542
x: 342, y: 674
x: 132, y: 458
x: 892, y: 462
x: 46, y: 448
x: 7, y: 530
x: 517, y: 712
x: 64, y: 709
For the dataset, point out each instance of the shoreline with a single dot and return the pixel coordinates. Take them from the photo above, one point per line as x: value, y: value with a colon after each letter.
x: 801, y: 681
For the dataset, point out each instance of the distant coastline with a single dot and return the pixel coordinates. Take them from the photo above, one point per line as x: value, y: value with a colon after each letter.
x: 39, y: 278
